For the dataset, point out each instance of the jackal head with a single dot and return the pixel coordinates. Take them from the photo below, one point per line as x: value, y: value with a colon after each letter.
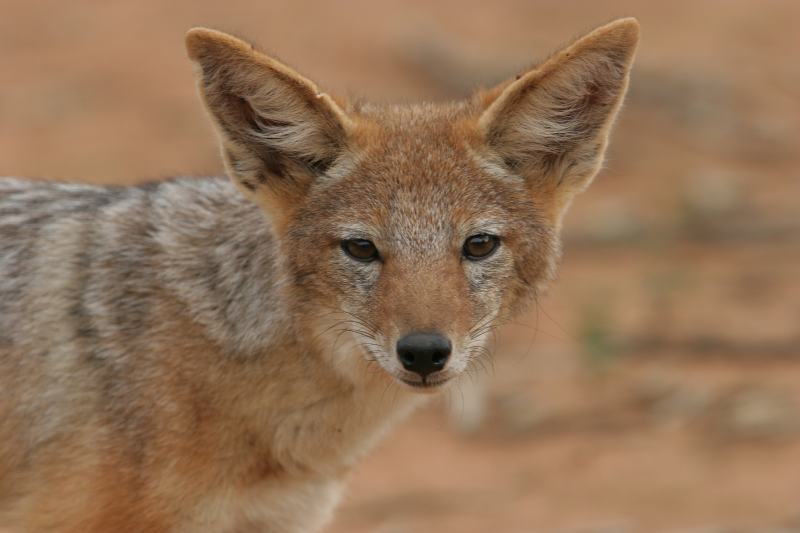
x: 421, y: 226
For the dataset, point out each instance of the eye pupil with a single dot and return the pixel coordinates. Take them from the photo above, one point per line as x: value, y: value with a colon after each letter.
x: 480, y: 246
x: 360, y: 249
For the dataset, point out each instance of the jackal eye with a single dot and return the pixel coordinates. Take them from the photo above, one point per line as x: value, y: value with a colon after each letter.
x: 360, y: 250
x: 480, y: 246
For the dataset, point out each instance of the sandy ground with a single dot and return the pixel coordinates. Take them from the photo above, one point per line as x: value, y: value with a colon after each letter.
x: 657, y: 387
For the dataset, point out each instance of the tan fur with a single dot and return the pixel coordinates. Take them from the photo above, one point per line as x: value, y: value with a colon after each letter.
x: 180, y: 357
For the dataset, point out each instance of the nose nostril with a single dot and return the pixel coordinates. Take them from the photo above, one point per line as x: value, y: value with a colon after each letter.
x: 407, y: 359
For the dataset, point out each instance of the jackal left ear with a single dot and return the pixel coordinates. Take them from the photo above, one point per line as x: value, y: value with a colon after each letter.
x: 551, y: 124
x: 278, y: 131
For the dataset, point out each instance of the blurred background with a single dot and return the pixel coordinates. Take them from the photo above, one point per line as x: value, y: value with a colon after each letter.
x: 657, y: 387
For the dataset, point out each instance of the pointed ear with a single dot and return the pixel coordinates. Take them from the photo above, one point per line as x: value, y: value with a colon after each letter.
x: 277, y: 130
x: 551, y: 124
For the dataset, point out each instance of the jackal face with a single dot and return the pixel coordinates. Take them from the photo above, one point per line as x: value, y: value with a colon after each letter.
x: 415, y: 229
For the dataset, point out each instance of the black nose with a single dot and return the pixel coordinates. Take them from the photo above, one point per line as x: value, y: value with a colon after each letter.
x: 423, y: 353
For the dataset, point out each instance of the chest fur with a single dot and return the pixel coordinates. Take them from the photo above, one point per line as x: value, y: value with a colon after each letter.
x: 295, y: 506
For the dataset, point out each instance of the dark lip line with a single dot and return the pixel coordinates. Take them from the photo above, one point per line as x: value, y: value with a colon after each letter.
x: 424, y: 384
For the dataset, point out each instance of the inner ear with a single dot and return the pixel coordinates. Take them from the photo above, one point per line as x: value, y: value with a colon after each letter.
x: 259, y: 128
x: 246, y: 112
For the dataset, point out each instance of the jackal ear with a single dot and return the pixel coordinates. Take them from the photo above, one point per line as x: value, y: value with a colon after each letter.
x: 277, y: 130
x: 551, y: 124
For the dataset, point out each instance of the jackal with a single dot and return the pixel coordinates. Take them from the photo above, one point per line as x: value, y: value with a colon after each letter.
x: 214, y: 354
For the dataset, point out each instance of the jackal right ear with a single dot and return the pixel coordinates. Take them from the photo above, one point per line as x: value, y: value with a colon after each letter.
x: 551, y: 124
x: 277, y: 130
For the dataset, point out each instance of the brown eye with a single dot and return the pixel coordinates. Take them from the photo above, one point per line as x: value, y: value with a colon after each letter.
x: 480, y: 246
x: 360, y: 250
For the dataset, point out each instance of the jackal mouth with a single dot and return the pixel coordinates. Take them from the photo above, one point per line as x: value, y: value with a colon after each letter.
x: 425, y: 384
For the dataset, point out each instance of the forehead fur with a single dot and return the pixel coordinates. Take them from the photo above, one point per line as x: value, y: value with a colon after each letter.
x: 420, y: 169
x: 424, y: 139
